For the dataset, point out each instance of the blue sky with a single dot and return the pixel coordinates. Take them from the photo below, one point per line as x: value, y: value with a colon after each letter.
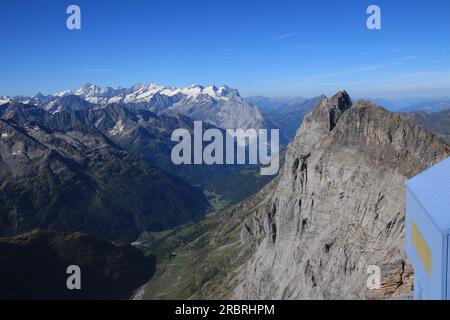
x: 272, y: 48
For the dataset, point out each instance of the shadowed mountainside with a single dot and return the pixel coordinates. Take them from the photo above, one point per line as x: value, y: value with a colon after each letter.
x: 74, y: 178
x: 33, y: 266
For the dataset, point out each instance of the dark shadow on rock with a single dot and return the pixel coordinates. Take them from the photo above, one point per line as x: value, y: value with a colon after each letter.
x: 34, y: 265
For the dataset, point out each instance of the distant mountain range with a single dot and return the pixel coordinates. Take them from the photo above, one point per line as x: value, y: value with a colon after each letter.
x: 220, y: 106
x: 159, y: 98
x: 428, y: 105
x: 408, y: 104
x: 266, y: 104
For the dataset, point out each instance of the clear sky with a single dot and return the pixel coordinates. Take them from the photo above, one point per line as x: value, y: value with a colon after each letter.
x: 272, y: 48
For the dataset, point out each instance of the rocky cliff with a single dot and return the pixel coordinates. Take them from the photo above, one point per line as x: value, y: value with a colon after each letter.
x: 338, y: 207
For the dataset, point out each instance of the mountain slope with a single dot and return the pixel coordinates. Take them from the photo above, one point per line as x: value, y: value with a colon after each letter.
x: 339, y: 206
x: 75, y: 178
x: 142, y: 133
x: 66, y: 103
x: 147, y: 135
x: 33, y: 266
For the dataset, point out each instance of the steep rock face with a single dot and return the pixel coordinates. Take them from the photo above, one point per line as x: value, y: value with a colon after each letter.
x: 33, y: 266
x: 338, y: 207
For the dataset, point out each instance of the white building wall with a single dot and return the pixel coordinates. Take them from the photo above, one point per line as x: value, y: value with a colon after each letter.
x: 426, y: 286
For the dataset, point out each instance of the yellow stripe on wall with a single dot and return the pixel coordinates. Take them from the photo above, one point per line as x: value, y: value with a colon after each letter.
x: 421, y: 247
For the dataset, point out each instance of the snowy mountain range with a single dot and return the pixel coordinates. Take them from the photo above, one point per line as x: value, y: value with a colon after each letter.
x: 220, y: 106
x: 4, y: 100
x: 144, y: 92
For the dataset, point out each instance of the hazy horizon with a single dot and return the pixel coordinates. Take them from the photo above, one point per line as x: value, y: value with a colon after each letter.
x: 281, y: 97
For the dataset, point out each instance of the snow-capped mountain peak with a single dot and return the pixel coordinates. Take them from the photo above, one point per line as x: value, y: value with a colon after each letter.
x: 4, y: 100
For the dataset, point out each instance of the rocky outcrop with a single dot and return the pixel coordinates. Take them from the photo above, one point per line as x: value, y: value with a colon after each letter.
x: 338, y: 207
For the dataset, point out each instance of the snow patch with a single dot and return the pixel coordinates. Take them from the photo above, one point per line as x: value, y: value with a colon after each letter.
x: 118, y: 128
x: 62, y: 93
x: 4, y: 100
